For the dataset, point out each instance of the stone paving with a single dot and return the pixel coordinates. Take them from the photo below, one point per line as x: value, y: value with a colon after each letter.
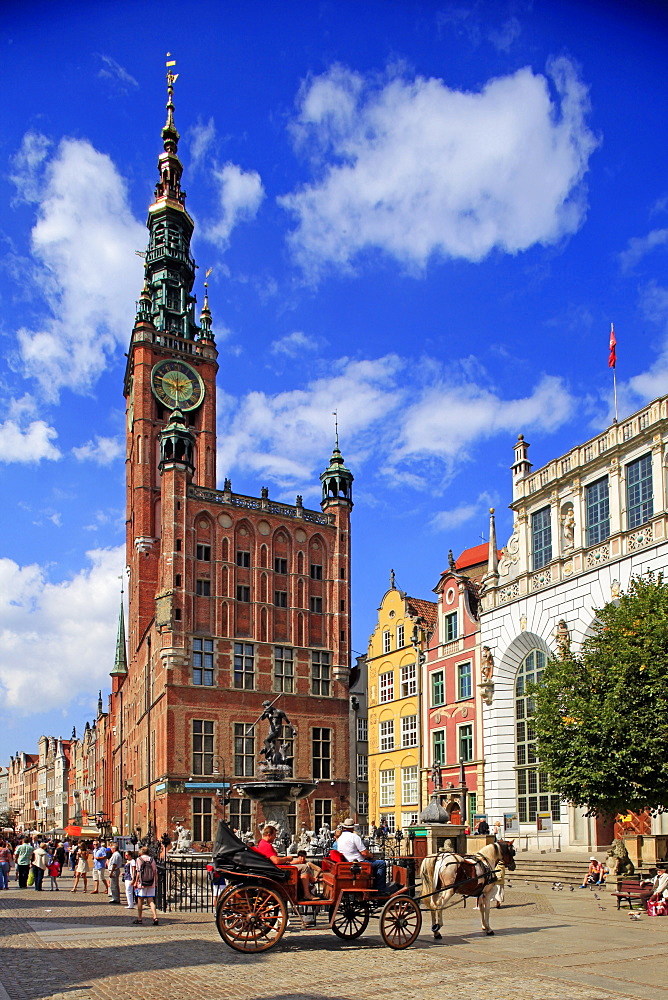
x: 547, y: 946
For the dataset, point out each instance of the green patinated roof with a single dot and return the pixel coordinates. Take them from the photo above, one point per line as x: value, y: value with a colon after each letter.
x: 120, y: 660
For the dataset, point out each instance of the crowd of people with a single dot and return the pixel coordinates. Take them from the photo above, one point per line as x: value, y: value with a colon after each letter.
x: 104, y: 865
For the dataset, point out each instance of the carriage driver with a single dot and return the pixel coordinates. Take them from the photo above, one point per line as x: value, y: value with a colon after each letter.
x: 353, y: 848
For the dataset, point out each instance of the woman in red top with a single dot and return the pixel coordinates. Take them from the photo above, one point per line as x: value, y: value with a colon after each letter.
x: 266, y: 848
x: 6, y: 858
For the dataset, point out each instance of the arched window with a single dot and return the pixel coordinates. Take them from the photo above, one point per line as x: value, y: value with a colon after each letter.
x: 533, y: 795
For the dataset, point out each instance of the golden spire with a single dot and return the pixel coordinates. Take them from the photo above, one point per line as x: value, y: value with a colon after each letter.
x: 169, y: 133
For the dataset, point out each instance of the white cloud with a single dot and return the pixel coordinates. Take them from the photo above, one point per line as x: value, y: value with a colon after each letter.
x: 262, y: 430
x: 82, y: 217
x: 30, y: 443
x: 294, y: 344
x: 202, y: 138
x: 57, y: 638
x: 447, y: 419
x: 653, y: 382
x: 640, y: 246
x: 406, y: 427
x: 446, y: 519
x: 414, y: 168
x: 103, y: 450
x: 111, y: 70
x: 240, y: 195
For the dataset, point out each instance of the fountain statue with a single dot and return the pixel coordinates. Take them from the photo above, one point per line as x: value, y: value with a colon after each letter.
x: 276, y: 789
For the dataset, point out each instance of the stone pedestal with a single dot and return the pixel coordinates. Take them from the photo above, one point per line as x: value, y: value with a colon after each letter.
x: 653, y: 848
x: 633, y: 845
x: 476, y: 841
x: 430, y: 838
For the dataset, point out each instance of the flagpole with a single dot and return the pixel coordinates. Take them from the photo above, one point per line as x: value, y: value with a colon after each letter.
x: 614, y: 383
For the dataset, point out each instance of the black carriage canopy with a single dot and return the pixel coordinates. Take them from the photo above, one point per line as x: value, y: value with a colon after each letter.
x: 232, y: 854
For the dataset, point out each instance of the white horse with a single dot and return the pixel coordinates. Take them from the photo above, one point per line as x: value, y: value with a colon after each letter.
x: 445, y: 874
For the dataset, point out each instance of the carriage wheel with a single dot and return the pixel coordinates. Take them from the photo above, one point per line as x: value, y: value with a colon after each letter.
x: 400, y: 922
x: 251, y: 918
x: 351, y: 917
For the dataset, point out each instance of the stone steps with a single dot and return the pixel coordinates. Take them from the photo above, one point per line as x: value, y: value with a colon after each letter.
x: 543, y: 870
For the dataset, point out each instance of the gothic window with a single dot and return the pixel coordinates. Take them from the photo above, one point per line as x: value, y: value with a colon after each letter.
x: 243, y: 594
x: 322, y: 813
x: 316, y: 571
x: 409, y: 784
x: 203, y: 662
x: 541, y: 538
x: 464, y: 681
x: 204, y: 553
x: 322, y: 752
x: 283, y: 669
x: 320, y: 673
x: 533, y: 795
x: 202, y: 746
x: 203, y: 588
x: 386, y: 735
x: 465, y: 742
x: 387, y: 686
x: 408, y: 680
x: 240, y: 815
x: 244, y: 750
x: 280, y: 565
x: 281, y: 598
x: 315, y: 605
x: 243, y: 558
x: 639, y: 493
x: 438, y: 756
x: 437, y: 689
x: 409, y: 732
x: 598, y: 512
x: 202, y: 818
x: 244, y: 666
x: 387, y: 787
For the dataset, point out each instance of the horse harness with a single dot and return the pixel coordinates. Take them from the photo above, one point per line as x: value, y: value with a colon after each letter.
x: 473, y: 873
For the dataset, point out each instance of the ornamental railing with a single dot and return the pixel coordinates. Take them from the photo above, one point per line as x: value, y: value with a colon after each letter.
x: 253, y: 503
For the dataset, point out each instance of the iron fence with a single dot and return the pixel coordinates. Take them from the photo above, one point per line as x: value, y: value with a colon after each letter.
x: 184, y: 884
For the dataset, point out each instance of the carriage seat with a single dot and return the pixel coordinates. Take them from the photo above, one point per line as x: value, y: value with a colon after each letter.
x: 347, y: 874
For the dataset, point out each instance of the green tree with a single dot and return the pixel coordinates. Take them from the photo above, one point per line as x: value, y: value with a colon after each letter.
x: 601, y: 718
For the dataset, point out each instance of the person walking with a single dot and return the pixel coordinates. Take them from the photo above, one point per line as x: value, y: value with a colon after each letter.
x: 81, y: 871
x: 146, y: 879
x: 74, y: 850
x: 129, y: 878
x: 115, y: 865
x: 99, y: 868
x: 22, y: 857
x: 40, y: 863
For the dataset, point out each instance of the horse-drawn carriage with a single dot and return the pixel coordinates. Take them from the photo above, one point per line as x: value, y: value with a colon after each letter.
x: 253, y: 910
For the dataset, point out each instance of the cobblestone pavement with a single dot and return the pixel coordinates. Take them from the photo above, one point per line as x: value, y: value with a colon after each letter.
x: 547, y: 946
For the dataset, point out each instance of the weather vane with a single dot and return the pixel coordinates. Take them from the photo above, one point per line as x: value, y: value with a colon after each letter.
x: 335, y: 414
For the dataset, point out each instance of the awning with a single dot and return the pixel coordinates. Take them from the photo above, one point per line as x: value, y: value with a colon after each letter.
x: 82, y: 831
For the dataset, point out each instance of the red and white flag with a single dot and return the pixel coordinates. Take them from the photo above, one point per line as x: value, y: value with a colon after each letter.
x: 612, y: 359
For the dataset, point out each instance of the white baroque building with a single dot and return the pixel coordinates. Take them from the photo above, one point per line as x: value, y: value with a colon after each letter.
x: 583, y: 525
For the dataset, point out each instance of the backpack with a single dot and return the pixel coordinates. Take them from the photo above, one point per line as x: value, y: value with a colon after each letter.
x: 146, y: 876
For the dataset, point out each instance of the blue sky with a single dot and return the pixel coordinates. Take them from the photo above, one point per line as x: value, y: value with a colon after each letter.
x: 424, y: 215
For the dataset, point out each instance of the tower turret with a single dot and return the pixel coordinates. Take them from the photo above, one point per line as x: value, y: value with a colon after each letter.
x: 337, y: 480
x: 120, y: 660
x: 177, y: 444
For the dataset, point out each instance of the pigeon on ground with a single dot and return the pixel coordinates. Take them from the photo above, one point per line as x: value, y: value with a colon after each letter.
x: 634, y: 916
x: 596, y: 896
x: 572, y: 888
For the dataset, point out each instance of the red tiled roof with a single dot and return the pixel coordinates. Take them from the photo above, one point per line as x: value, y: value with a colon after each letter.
x: 474, y: 556
x: 427, y: 610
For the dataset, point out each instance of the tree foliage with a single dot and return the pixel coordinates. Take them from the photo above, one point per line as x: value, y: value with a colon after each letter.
x: 601, y: 718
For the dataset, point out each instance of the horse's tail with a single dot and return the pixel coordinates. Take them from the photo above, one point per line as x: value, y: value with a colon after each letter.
x: 427, y: 875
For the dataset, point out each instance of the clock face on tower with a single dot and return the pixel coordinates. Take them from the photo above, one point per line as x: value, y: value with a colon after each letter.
x: 176, y: 384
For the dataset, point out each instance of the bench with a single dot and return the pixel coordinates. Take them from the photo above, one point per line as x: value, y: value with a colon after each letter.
x: 629, y: 889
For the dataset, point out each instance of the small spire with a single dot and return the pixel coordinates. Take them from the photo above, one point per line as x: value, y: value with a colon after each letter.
x: 492, y: 552
x: 335, y: 414
x: 99, y: 703
x: 206, y: 333
x: 120, y: 660
x: 337, y: 480
x: 145, y: 304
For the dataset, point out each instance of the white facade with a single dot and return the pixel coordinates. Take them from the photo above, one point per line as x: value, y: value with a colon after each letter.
x: 603, y: 508
x: 4, y: 790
